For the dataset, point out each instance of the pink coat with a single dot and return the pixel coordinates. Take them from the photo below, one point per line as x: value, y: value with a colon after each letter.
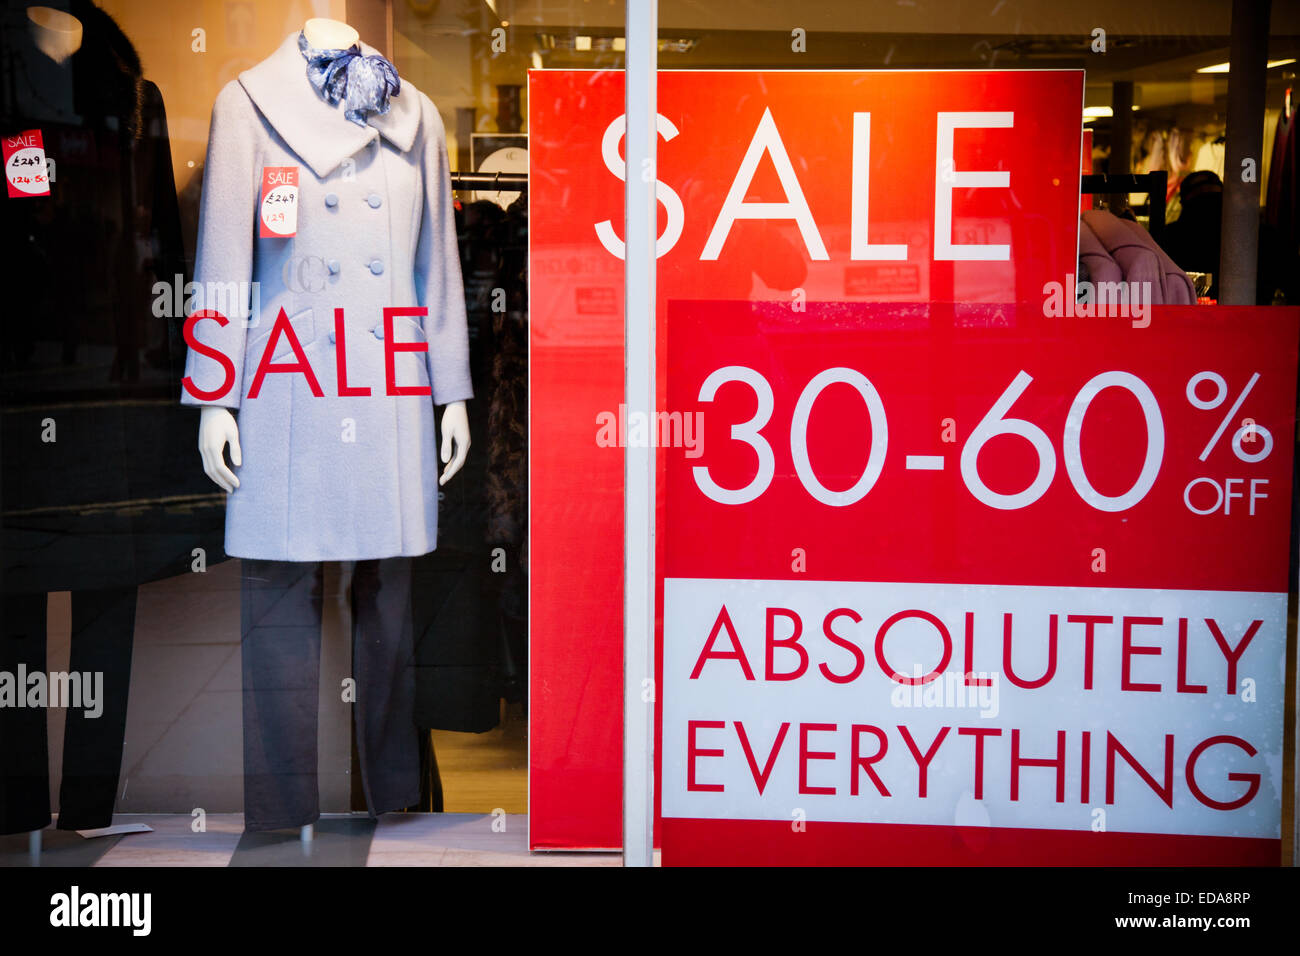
x: 1139, y: 258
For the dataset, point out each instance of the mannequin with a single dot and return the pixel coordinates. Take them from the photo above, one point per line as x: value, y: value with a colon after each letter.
x: 77, y: 79
x: 347, y: 473
x: 58, y: 36
x: 218, y: 428
x: 55, y: 33
x: 327, y: 34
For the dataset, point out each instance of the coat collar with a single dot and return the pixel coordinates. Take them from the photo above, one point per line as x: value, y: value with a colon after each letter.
x: 318, y: 132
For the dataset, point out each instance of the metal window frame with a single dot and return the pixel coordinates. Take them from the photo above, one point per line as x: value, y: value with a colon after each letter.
x: 640, y: 87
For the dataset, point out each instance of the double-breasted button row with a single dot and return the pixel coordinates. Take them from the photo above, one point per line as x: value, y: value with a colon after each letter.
x: 374, y: 200
x: 377, y: 332
x: 376, y: 267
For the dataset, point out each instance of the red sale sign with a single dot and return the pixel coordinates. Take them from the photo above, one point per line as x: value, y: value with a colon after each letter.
x: 952, y: 569
x: 938, y: 595
x: 787, y: 187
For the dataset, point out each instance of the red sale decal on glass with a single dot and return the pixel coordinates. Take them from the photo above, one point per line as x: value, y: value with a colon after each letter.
x: 279, y: 205
x: 26, y: 171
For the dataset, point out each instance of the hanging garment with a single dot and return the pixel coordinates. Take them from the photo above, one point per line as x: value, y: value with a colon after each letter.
x: 1275, y: 147
x: 328, y: 476
x: 508, y: 453
x: 457, y: 653
x: 1280, y: 207
x: 456, y: 593
x: 1140, y: 259
x: 1210, y: 157
x: 1092, y: 254
x: 1193, y: 241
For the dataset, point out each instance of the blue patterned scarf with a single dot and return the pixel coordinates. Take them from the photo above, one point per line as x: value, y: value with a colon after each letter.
x: 362, y: 83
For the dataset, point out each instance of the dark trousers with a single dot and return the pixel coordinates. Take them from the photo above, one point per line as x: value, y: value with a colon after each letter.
x: 281, y: 633
x: 103, y: 625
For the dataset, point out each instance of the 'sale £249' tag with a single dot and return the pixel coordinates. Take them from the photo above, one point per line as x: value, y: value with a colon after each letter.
x: 279, y: 206
x: 26, y: 172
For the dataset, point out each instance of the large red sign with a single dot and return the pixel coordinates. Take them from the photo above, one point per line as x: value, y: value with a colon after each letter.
x: 939, y: 594
x: 952, y: 197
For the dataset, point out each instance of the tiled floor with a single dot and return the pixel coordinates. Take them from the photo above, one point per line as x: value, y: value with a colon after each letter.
x: 397, y: 839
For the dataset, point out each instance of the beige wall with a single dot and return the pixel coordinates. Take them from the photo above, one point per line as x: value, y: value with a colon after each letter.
x: 237, y: 34
x: 445, y: 50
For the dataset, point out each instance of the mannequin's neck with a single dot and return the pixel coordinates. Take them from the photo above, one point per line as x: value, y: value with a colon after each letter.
x: 55, y: 33
x: 325, y: 34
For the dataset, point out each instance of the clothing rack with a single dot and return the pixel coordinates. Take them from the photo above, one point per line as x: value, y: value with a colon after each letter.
x: 489, y: 182
x: 1153, y: 184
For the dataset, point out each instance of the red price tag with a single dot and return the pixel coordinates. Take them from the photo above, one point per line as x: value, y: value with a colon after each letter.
x: 26, y: 173
x: 279, y: 207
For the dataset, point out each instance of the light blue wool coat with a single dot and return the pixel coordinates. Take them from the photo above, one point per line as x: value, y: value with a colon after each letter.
x: 332, y: 478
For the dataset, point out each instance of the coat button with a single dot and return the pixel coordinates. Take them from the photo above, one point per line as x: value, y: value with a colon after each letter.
x: 333, y: 266
x: 378, y: 331
x: 376, y: 267
x: 331, y: 200
x: 374, y: 201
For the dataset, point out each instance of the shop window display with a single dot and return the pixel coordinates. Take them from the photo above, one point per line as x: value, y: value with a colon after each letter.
x: 274, y: 474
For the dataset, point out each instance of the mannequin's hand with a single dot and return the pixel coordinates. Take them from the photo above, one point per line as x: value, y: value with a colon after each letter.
x: 217, y: 429
x: 455, y: 431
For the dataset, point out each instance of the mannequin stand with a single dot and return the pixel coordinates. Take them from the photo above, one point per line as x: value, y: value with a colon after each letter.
x: 305, y: 834
x: 34, y: 847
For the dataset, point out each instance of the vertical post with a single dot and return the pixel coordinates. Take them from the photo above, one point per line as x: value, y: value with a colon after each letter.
x: 639, y: 463
x: 465, y: 120
x: 1159, y: 185
x: 1239, y: 242
x: 1239, y: 238
x: 1121, y: 137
